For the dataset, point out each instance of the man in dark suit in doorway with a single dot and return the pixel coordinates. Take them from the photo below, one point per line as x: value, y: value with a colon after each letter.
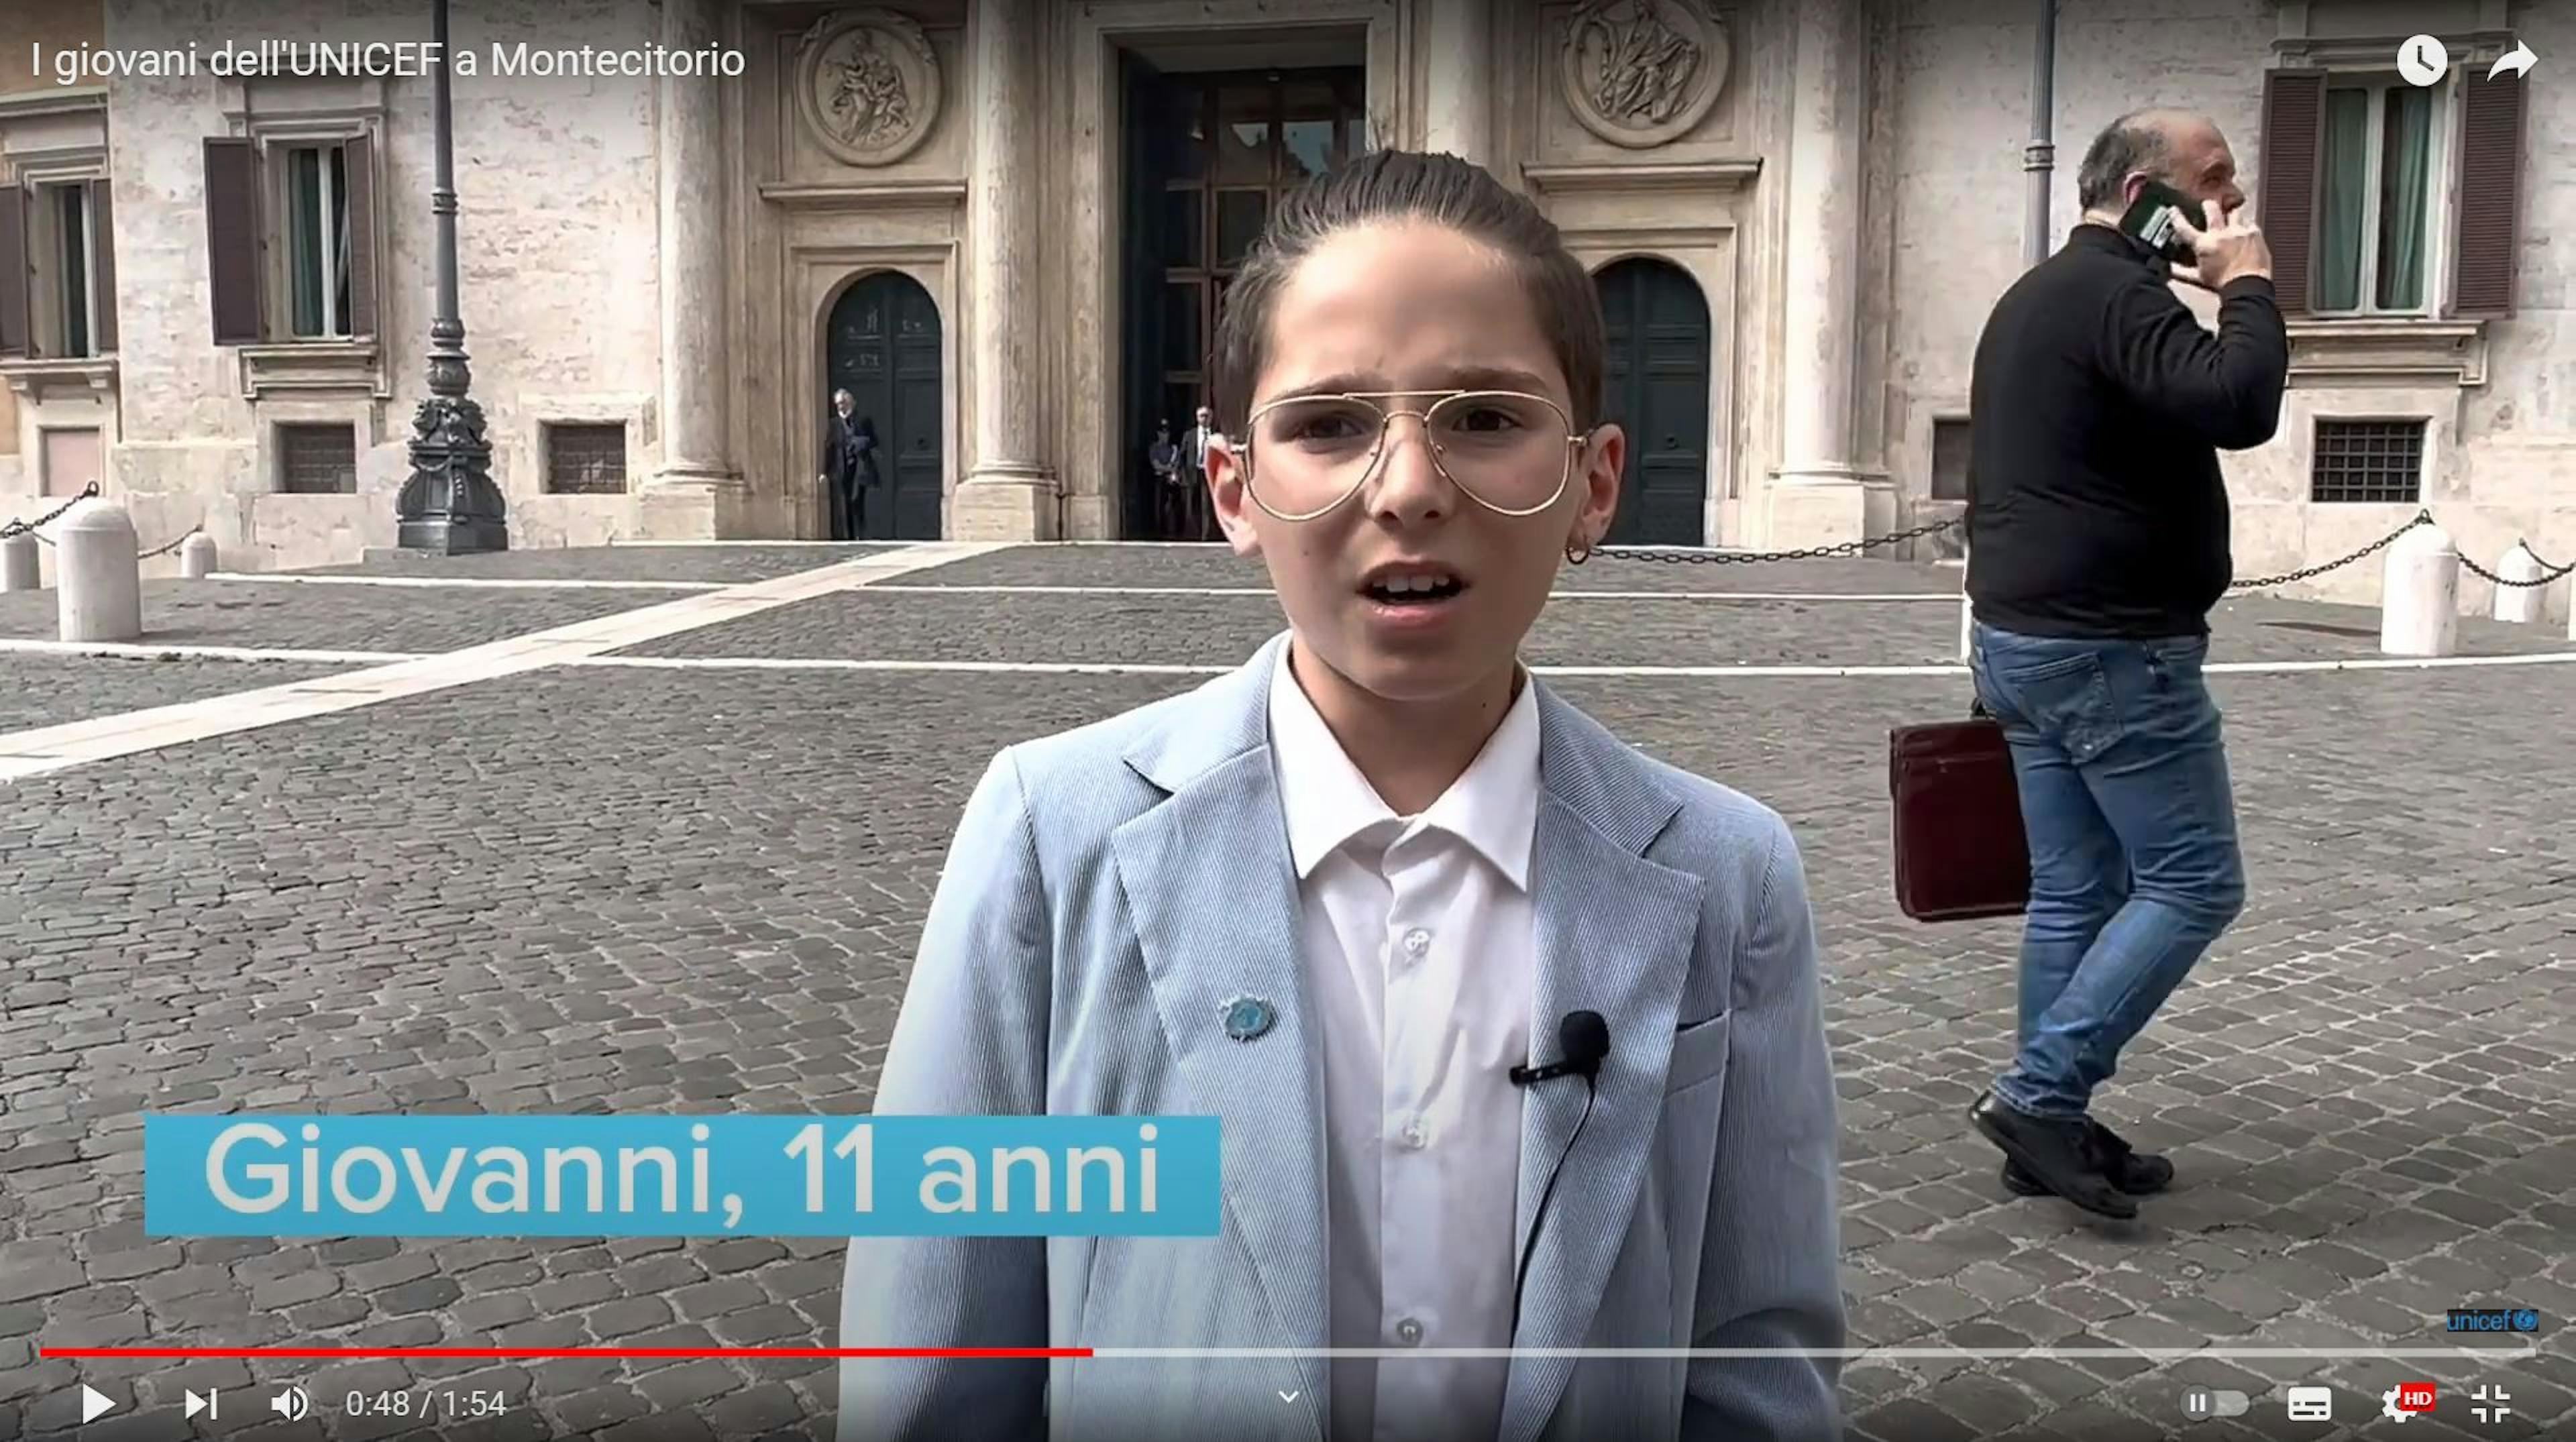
x: 1194, y: 492
x: 846, y: 457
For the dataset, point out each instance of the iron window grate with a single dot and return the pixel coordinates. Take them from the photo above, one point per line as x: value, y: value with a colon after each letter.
x: 2367, y: 462
x: 586, y: 459
x: 318, y: 460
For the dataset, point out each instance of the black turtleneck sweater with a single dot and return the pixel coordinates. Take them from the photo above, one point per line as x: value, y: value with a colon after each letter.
x: 2095, y: 503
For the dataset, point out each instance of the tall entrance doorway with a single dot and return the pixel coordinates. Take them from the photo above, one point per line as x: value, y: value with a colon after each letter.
x: 1208, y: 155
x: 1656, y: 388
x: 882, y: 346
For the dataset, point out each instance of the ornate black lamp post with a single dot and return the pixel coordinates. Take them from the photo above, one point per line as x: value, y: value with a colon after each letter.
x: 450, y: 504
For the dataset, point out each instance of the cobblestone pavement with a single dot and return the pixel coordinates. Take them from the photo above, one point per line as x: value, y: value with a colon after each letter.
x: 597, y: 888
x: 732, y: 565
x: 47, y: 690
x: 915, y: 625
x: 325, y: 617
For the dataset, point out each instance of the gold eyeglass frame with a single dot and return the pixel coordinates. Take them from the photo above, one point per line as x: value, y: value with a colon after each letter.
x: 1377, y: 453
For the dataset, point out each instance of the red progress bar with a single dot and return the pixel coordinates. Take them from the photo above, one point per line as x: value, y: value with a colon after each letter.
x: 1022, y: 1353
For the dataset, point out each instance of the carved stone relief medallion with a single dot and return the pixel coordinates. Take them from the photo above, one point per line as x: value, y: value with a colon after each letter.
x: 867, y: 84
x: 1642, y: 72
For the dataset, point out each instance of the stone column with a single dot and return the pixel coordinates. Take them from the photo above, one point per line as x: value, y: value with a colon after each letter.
x: 1818, y: 495
x: 1007, y: 493
x: 682, y: 501
x: 1458, y: 111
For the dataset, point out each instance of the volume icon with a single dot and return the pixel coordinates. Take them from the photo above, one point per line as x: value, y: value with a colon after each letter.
x: 291, y: 1404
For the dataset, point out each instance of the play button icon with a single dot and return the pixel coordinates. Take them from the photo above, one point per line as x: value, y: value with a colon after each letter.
x: 95, y: 1404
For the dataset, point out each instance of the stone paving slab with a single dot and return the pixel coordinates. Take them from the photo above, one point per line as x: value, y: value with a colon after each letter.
x: 649, y: 890
x: 48, y: 690
x: 344, y: 618
x: 729, y: 565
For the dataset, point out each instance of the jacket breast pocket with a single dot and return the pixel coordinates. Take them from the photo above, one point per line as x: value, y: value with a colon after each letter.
x: 1699, y: 1053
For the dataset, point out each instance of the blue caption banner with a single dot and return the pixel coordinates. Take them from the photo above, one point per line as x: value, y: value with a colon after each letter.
x: 254, y: 1175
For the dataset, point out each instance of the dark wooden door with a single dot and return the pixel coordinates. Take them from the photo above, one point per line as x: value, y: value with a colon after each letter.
x: 883, y: 349
x: 1656, y: 389
x: 1208, y: 157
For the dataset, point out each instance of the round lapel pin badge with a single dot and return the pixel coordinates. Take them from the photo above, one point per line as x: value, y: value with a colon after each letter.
x: 1248, y: 1017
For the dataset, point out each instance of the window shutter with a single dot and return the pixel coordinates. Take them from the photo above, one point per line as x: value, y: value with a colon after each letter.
x: 13, y: 271
x: 358, y: 156
x: 233, y: 239
x: 2490, y: 195
x: 2294, y: 136
x: 102, y: 244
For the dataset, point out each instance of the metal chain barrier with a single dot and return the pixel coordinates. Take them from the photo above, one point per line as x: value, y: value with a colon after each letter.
x: 2265, y: 583
x: 1755, y: 558
x: 2548, y: 573
x: 88, y: 492
x: 1870, y: 543
x: 174, y: 545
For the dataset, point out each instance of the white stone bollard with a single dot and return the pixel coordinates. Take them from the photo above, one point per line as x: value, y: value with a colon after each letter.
x: 2519, y: 603
x: 1967, y: 614
x: 2419, y: 603
x: 21, y: 568
x: 96, y: 571
x: 197, y: 556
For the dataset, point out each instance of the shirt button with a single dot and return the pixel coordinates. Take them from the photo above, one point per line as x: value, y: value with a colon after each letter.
x: 1416, y: 1136
x: 1409, y: 1332
x: 1416, y: 942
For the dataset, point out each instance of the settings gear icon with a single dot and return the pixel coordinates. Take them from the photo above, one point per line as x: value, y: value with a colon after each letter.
x: 2388, y: 1407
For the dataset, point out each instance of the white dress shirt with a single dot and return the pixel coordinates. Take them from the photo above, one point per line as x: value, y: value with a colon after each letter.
x: 1419, y: 946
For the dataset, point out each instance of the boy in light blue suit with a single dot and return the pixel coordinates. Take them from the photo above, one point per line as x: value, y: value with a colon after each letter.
x: 1345, y: 899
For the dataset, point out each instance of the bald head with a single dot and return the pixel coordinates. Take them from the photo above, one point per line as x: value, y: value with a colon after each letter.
x: 2179, y: 147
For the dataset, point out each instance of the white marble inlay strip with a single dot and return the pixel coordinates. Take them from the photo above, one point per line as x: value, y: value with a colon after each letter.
x: 54, y: 748
x: 146, y: 651
x: 1154, y: 668
x: 932, y: 589
x: 496, y: 583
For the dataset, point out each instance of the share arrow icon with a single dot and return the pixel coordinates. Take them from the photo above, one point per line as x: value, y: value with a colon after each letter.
x: 2516, y: 62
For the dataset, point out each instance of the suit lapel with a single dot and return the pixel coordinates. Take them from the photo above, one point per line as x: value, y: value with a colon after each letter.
x: 1209, y: 885
x: 1615, y: 935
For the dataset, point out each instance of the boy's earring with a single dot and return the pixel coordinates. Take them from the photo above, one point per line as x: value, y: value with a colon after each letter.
x: 1577, y: 552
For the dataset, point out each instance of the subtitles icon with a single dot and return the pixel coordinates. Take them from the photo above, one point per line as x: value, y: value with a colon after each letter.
x: 2404, y: 1400
x: 2311, y: 1404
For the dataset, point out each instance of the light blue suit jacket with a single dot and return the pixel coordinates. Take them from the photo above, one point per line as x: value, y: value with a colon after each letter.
x: 1111, y: 889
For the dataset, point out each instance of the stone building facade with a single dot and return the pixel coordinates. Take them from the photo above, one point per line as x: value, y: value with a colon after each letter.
x: 1006, y: 225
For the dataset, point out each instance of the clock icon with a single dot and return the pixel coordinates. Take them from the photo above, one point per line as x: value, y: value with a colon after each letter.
x: 2423, y: 60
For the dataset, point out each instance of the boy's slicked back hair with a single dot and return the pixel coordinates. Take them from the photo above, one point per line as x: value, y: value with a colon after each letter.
x: 1398, y: 185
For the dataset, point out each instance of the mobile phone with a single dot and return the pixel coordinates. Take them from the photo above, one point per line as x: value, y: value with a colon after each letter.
x: 2150, y: 221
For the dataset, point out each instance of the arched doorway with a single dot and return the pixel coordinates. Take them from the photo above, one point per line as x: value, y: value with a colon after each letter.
x: 1656, y: 387
x: 882, y: 346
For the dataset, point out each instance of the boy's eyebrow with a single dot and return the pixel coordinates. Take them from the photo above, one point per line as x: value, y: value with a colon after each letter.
x: 1466, y: 378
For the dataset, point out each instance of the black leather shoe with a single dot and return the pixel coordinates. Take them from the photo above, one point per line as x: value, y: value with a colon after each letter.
x: 2132, y: 1171
x: 2059, y: 1154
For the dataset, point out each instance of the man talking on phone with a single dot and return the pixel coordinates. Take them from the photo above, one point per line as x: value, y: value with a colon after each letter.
x: 2098, y: 541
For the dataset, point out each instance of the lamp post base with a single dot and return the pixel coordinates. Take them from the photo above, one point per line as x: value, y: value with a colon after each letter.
x: 450, y: 506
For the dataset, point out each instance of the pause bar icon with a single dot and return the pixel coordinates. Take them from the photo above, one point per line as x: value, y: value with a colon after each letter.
x: 2215, y: 1402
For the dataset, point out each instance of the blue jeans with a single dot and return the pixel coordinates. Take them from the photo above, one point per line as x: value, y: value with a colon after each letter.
x: 2134, y: 866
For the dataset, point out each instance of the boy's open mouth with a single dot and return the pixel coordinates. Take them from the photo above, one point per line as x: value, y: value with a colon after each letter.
x: 1411, y: 586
